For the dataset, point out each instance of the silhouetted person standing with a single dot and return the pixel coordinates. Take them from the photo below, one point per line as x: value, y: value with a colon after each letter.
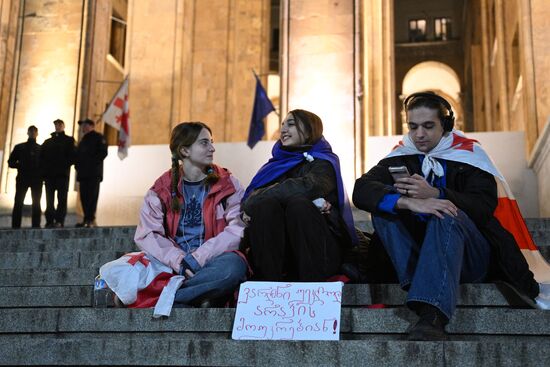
x: 25, y: 157
x: 90, y: 153
x: 58, y: 154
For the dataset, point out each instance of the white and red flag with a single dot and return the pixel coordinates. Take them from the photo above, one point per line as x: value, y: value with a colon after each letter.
x: 457, y: 147
x: 117, y: 115
x: 140, y: 281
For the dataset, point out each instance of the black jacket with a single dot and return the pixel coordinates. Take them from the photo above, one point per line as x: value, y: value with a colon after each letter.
x: 473, y: 191
x: 311, y: 180
x: 90, y: 153
x: 58, y: 154
x: 25, y: 157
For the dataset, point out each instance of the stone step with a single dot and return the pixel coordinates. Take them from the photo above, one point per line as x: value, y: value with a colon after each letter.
x: 57, y: 259
x: 488, y: 321
x: 354, y: 295
x: 65, y: 233
x: 71, y: 244
x: 126, y: 244
x: 47, y: 277
x: 533, y: 224
x: 77, y: 259
x: 81, y: 259
x: 155, y: 349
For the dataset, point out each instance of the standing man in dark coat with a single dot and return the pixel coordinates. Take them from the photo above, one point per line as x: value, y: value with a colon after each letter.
x: 91, y: 152
x: 58, y: 154
x: 25, y: 157
x: 436, y: 219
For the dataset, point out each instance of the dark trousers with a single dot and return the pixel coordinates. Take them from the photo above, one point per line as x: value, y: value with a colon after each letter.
x: 89, y: 193
x: 291, y: 242
x: 22, y: 184
x: 61, y: 185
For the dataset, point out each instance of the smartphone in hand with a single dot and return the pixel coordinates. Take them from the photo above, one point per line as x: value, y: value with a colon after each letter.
x: 399, y: 172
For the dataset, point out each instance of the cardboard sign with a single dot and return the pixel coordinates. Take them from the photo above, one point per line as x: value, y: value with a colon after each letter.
x: 288, y: 311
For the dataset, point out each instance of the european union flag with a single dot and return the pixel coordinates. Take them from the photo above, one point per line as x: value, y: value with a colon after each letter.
x: 262, y: 108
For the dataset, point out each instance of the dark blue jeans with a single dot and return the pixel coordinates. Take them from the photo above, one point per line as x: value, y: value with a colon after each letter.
x: 453, y: 251
x: 219, y: 277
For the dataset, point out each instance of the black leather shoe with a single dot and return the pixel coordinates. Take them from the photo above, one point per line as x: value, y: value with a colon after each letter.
x: 80, y: 225
x: 430, y: 326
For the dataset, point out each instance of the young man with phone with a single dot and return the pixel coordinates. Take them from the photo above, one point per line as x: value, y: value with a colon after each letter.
x: 437, y: 223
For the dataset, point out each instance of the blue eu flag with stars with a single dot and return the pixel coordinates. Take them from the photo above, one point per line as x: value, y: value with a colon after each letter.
x: 262, y: 108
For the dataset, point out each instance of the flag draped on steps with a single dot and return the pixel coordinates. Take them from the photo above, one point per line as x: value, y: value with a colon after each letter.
x: 140, y: 281
x: 262, y: 107
x: 117, y: 115
x: 457, y: 147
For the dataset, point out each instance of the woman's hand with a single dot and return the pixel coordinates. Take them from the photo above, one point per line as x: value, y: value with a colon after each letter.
x: 323, y: 205
x: 246, y: 218
x: 416, y: 187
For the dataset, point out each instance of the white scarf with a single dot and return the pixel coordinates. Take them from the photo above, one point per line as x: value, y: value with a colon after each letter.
x: 455, y: 146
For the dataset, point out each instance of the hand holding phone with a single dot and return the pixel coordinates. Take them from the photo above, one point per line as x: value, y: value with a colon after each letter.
x: 398, y: 172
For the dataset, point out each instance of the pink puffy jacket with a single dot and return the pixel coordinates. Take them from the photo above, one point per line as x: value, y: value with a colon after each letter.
x: 221, y: 211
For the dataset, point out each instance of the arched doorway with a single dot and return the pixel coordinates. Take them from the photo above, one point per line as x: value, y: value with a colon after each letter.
x: 436, y: 77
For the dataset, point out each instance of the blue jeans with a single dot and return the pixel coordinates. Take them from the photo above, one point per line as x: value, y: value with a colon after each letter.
x: 218, y: 278
x: 453, y: 251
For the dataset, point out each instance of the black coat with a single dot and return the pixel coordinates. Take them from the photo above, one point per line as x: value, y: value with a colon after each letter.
x: 90, y: 153
x: 473, y: 191
x: 311, y: 180
x: 58, y: 154
x: 25, y: 157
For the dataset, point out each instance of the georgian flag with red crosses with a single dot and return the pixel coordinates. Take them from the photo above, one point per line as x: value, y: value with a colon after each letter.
x: 117, y: 115
x: 140, y: 281
x: 457, y: 147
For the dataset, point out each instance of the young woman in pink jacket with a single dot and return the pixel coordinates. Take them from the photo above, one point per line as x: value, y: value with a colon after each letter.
x: 190, y: 220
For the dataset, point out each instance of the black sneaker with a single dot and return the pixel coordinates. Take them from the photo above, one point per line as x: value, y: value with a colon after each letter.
x: 430, y: 326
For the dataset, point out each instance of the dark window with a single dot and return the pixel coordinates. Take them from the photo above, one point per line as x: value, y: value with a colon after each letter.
x: 117, y: 44
x: 417, y: 30
x: 442, y: 29
x: 274, y: 36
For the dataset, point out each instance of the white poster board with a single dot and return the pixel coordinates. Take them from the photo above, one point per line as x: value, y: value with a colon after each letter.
x: 288, y: 311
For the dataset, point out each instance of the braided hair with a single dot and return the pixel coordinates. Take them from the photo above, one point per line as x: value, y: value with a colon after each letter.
x: 184, y: 135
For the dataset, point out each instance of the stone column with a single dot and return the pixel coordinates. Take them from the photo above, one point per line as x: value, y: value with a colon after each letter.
x: 378, y: 67
x: 504, y: 105
x: 49, y: 45
x: 486, y: 44
x: 9, y: 25
x: 319, y: 73
x: 193, y: 60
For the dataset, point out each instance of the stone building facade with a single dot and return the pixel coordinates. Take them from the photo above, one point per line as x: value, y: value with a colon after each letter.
x: 350, y: 61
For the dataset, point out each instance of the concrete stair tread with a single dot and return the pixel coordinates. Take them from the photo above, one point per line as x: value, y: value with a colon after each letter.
x: 57, y: 259
x: 483, y: 294
x: 353, y: 320
x: 68, y: 233
x: 47, y: 277
x: 73, y: 244
x: 148, y: 350
x: 86, y: 259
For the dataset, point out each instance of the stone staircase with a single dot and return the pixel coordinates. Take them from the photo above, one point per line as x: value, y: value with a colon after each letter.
x: 47, y: 318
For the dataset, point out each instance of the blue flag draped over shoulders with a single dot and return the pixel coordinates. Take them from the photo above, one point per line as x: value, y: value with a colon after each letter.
x: 283, y: 160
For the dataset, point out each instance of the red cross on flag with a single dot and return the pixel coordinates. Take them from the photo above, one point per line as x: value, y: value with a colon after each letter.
x: 117, y: 115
